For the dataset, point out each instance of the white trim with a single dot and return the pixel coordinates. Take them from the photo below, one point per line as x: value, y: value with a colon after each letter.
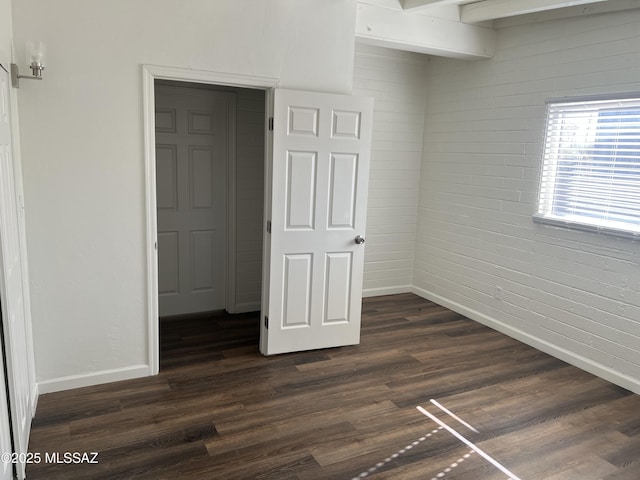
x: 266, y: 218
x: 150, y: 73
x: 247, y: 307
x: 94, y: 378
x: 159, y: 72
x: 378, y: 292
x: 579, y: 361
x: 153, y: 331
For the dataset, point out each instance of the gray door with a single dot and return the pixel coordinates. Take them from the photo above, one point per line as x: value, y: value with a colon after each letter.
x: 192, y: 160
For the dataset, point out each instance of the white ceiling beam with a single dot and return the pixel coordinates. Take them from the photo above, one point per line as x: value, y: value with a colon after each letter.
x: 570, y: 12
x: 423, y: 34
x: 494, y: 9
x: 409, y: 5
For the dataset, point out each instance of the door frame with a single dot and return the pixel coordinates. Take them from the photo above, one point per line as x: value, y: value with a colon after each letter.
x: 150, y: 73
x: 12, y: 374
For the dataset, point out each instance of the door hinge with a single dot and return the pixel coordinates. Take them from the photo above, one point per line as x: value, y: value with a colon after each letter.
x: 268, y: 226
x: 155, y: 245
x: 271, y: 123
x: 266, y: 322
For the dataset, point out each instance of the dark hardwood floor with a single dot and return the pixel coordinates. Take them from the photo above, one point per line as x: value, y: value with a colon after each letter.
x: 220, y: 410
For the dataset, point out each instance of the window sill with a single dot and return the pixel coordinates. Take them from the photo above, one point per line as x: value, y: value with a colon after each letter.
x: 585, y: 227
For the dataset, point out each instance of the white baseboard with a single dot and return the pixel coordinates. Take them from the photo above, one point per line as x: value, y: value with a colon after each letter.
x: 247, y: 307
x: 378, y: 292
x: 579, y: 361
x: 94, y: 378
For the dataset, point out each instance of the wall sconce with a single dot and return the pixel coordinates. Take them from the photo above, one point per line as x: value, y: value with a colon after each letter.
x: 35, y: 59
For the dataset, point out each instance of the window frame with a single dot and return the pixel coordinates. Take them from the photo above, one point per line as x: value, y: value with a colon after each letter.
x: 543, y: 218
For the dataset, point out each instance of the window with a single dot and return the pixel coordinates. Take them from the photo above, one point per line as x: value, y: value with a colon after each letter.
x: 591, y: 170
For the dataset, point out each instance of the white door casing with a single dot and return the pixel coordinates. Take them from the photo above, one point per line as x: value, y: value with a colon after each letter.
x: 151, y: 73
x: 192, y: 161
x: 11, y: 287
x: 320, y: 172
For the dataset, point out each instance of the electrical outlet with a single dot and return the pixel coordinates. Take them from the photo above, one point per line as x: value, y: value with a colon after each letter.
x: 497, y: 294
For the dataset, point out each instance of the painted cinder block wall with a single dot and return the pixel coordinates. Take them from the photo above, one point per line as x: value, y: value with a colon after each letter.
x: 573, y: 294
x: 396, y: 81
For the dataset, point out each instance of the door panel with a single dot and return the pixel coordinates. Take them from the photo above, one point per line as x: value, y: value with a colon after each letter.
x: 11, y: 287
x: 337, y: 289
x: 192, y: 156
x: 342, y: 196
x: 320, y: 170
x: 301, y: 194
x: 167, y: 177
x: 168, y: 257
x: 203, y: 261
x: 297, y: 290
x: 202, y: 174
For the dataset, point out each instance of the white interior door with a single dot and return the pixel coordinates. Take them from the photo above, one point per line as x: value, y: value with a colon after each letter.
x: 192, y: 157
x: 320, y: 172
x: 11, y: 286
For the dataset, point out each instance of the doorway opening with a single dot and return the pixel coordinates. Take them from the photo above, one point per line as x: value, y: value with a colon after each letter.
x: 218, y: 264
x: 317, y: 155
x: 210, y: 199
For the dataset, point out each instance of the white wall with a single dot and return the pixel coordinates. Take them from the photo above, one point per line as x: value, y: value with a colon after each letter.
x: 6, y: 31
x: 396, y: 81
x: 574, y: 294
x: 82, y: 139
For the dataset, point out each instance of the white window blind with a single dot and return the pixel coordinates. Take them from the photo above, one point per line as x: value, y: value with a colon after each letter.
x: 591, y: 169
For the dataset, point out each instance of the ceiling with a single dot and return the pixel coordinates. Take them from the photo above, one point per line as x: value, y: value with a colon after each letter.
x: 474, y: 11
x: 462, y: 28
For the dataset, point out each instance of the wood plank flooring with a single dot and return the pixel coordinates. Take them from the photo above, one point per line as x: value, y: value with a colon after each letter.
x: 220, y: 410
